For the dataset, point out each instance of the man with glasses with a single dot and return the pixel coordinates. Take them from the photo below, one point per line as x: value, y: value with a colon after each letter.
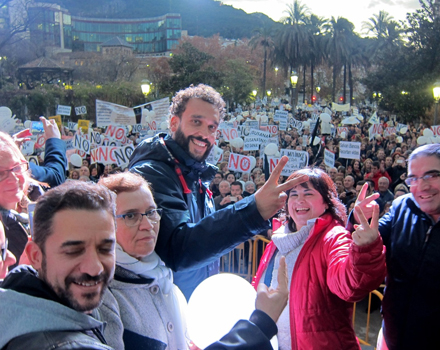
x: 411, y: 234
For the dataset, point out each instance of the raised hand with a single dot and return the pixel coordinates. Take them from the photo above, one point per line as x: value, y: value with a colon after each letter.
x: 50, y: 128
x: 365, y: 232
x: 271, y: 197
x: 365, y: 204
x: 273, y: 301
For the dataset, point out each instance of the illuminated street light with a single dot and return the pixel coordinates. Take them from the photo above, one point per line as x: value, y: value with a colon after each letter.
x: 268, y: 92
x: 145, y: 86
x: 293, y: 82
x: 436, y: 94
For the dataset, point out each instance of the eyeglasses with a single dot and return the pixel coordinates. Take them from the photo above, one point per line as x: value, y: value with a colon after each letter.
x: 4, y: 250
x: 133, y: 219
x: 429, y: 177
x: 18, y: 169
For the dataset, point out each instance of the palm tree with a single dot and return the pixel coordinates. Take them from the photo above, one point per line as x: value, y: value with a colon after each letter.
x: 316, y: 49
x: 340, y: 42
x: 291, y: 39
x: 263, y: 37
x: 377, y: 25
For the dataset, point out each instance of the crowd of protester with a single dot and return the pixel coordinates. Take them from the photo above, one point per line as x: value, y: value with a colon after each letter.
x: 381, y: 172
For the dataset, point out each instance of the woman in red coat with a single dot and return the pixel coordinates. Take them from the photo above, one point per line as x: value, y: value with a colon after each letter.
x: 328, y: 268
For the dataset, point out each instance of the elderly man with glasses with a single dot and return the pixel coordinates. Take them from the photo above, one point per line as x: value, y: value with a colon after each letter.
x: 411, y: 234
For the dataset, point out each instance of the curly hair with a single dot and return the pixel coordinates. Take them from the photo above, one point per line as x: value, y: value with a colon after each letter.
x: 201, y: 91
x: 322, y: 183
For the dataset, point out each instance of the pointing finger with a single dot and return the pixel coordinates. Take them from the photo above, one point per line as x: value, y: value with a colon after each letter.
x: 273, y: 178
x: 293, y: 182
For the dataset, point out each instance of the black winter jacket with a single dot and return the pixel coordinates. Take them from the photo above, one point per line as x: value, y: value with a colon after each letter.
x: 192, y: 236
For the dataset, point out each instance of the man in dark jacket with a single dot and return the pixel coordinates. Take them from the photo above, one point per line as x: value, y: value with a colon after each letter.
x: 192, y: 235
x: 411, y: 234
x: 73, y: 252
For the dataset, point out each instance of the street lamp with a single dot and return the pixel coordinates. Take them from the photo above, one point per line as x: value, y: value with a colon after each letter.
x: 293, y: 82
x: 436, y: 93
x: 145, y: 86
x: 318, y: 89
x: 268, y: 92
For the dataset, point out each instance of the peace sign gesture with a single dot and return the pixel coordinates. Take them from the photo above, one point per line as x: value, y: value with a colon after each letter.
x: 271, y: 197
x: 366, y: 204
x: 366, y: 233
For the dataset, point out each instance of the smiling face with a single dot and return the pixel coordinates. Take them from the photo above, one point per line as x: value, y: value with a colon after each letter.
x: 426, y: 193
x: 196, y: 130
x: 11, y: 188
x: 305, y: 203
x: 78, y: 259
x: 140, y: 240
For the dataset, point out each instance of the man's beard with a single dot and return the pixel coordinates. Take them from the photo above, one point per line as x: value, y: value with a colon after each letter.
x: 184, y: 141
x: 65, y: 294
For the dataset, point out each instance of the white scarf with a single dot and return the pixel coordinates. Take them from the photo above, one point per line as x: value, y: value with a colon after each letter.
x: 149, y: 266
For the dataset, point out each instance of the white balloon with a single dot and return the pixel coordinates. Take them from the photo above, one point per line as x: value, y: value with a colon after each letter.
x: 216, y: 305
x: 325, y: 117
x: 403, y: 130
x: 5, y: 112
x: 422, y: 140
x: 264, y: 119
x: 428, y: 133
x: 253, y: 162
x: 163, y: 126
x: 27, y: 124
x: 150, y: 132
x: 239, y: 118
x: 277, y: 154
x: 75, y: 127
x: 271, y: 149
x: 76, y: 160
x: 399, y: 139
x: 343, y: 135
x: 238, y: 141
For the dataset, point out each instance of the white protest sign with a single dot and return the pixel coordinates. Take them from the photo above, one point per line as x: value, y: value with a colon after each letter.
x: 294, y: 123
x: 111, y: 155
x: 71, y: 125
x: 272, y: 129
x: 297, y: 160
x: 435, y: 130
x: 350, y: 150
x: 280, y: 115
x: 273, y: 161
x: 113, y: 114
x: 117, y: 133
x: 64, y: 110
x: 80, y: 110
x: 375, y: 129
x: 215, y: 155
x: 81, y: 143
x: 239, y: 162
x: 27, y: 148
x: 342, y: 129
x: 390, y: 131
x: 329, y: 158
x: 230, y: 134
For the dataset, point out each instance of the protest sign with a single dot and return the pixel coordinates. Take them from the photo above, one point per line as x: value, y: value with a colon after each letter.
x: 117, y: 133
x: 272, y: 129
x: 27, y: 148
x: 83, y: 125
x: 81, y: 143
x: 251, y: 143
x: 342, y: 129
x: 340, y: 108
x: 272, y: 161
x: 110, y: 113
x: 239, y: 162
x: 111, y: 155
x: 57, y: 119
x: 229, y: 134
x: 374, y: 119
x: 389, y: 131
x: 297, y: 160
x: 80, y: 110
x: 215, y: 155
x: 71, y: 125
x: 435, y: 130
x: 294, y: 123
x: 329, y: 158
x: 375, y: 129
x: 280, y: 115
x: 64, y: 110
x: 350, y: 150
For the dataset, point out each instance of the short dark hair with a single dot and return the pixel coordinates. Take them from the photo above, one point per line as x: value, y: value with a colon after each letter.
x: 201, y: 91
x: 429, y: 150
x: 71, y: 195
x: 376, y: 164
x: 237, y: 183
x: 322, y: 183
x: 124, y: 182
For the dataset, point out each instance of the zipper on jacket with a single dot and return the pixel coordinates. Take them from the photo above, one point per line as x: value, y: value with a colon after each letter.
x: 428, y: 233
